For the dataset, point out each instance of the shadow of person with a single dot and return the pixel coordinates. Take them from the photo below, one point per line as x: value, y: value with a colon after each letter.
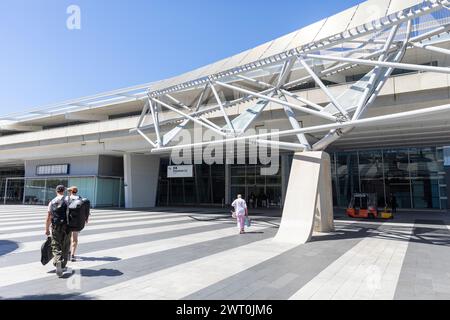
x: 93, y: 259
x: 7, y: 246
x: 94, y: 273
x: 42, y: 297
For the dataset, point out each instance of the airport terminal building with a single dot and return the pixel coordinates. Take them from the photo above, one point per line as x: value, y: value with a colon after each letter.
x: 96, y: 144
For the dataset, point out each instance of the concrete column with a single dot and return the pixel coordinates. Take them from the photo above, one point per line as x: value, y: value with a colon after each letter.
x: 227, y: 184
x: 141, y: 180
x: 285, y: 169
x: 309, y: 200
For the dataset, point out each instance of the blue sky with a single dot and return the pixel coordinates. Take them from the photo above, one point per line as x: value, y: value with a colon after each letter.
x: 125, y: 43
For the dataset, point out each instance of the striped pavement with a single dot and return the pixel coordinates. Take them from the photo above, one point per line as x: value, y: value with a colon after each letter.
x: 181, y: 254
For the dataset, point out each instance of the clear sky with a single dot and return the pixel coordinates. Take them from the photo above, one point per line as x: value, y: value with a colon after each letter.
x: 124, y: 43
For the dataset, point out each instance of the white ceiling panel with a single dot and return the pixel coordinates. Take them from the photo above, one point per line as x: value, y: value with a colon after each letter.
x: 306, y: 35
x: 279, y: 45
x: 337, y: 23
x: 369, y: 11
x: 398, y: 5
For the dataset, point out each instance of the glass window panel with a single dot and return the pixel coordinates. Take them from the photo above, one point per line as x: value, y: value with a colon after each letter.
x: 423, y: 162
x: 271, y: 180
x: 396, y: 163
x: 238, y: 171
x: 444, y: 204
x: 238, y: 181
x: 425, y: 194
x: 401, y: 189
x: 261, y: 180
x: 189, y: 191
x: 251, y: 180
x: 51, y: 186
x: 35, y: 192
x: 176, y: 191
x: 273, y: 196
x: 347, y: 164
x: 85, y: 187
x: 374, y: 186
x: 107, y: 192
x: 371, y: 165
x: 348, y: 185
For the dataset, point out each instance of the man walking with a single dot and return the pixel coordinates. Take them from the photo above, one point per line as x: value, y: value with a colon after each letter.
x: 61, y: 235
x: 240, y: 207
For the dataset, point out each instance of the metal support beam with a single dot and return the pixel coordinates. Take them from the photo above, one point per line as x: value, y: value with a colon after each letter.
x: 324, y: 89
x: 295, y: 125
x: 259, y: 82
x: 188, y: 116
x: 391, y: 118
x: 302, y: 100
x: 147, y: 138
x: 431, y: 48
x: 155, y: 118
x: 178, y: 102
x: 143, y: 113
x: 225, y: 115
x: 280, y: 102
x: 375, y: 74
x: 394, y: 65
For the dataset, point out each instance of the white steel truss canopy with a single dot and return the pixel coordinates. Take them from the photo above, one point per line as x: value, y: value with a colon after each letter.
x: 378, y: 46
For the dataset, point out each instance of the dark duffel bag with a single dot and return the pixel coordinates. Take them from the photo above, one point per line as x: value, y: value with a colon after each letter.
x: 46, y: 251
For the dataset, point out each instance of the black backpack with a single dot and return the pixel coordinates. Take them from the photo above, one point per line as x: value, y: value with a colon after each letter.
x: 79, y: 211
x: 59, y: 212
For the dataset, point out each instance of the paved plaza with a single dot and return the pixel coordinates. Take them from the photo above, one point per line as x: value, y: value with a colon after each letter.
x: 197, y: 254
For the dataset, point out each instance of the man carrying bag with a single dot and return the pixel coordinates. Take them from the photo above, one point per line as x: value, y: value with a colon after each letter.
x: 57, y: 218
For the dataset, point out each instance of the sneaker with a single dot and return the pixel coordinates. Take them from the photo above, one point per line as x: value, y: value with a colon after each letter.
x: 73, y: 259
x: 59, y: 270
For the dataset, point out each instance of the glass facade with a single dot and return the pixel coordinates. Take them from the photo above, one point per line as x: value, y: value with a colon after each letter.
x: 206, y: 187
x: 416, y: 176
x: 102, y: 191
x: 248, y: 181
x: 11, y: 191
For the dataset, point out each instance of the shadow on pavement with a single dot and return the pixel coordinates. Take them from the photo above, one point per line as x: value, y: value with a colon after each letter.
x: 432, y: 236
x: 94, y: 273
x: 42, y: 297
x: 93, y: 259
x: 7, y: 246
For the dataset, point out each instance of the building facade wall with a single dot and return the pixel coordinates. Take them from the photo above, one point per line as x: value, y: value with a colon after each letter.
x: 110, y: 166
x: 141, y: 180
x: 79, y: 166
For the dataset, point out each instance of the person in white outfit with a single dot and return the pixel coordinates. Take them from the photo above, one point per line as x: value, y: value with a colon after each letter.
x: 240, y: 207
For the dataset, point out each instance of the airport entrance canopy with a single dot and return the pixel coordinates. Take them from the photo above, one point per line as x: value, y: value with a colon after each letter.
x: 376, y: 49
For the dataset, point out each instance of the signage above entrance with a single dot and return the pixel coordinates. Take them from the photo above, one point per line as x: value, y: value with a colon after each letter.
x: 180, y: 171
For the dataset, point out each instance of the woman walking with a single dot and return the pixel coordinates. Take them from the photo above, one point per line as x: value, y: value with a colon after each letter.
x: 240, y: 207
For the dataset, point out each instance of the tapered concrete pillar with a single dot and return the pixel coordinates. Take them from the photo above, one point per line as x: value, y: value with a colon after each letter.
x: 141, y: 180
x: 309, y: 201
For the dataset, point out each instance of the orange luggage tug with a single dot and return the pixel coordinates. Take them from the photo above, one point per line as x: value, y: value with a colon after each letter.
x: 363, y: 205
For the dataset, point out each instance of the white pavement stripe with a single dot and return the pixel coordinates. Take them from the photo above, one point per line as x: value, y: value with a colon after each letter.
x: 370, y: 270
x: 33, y: 271
x: 182, y: 280
x: 93, y: 214
x: 131, y: 222
x: 36, y: 245
x: 114, y: 218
